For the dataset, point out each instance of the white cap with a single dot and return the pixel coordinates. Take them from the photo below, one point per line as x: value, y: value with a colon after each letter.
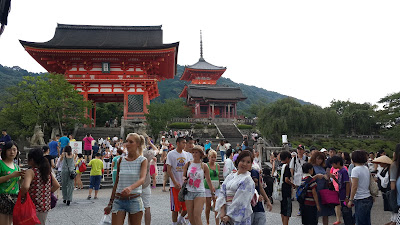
x: 323, y: 150
x: 162, y: 137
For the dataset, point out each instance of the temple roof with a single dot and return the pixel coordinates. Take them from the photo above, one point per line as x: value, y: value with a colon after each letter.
x: 104, y: 37
x: 204, y: 65
x: 208, y: 92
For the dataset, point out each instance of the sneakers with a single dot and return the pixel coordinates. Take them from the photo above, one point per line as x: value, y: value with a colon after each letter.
x: 75, y: 189
x: 68, y: 202
x: 89, y: 197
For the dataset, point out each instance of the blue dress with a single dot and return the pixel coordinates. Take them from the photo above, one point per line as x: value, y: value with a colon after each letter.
x: 326, y: 210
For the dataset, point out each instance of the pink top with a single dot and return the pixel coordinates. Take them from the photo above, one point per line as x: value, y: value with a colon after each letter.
x: 87, y: 143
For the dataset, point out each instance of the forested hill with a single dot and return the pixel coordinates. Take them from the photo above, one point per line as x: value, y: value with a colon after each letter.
x: 168, y: 88
x: 173, y: 87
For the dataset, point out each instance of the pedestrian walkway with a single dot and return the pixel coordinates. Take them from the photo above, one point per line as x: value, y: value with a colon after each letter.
x: 90, y: 212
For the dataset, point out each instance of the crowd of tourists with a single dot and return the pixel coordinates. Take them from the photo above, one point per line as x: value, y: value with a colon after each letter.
x: 323, y: 182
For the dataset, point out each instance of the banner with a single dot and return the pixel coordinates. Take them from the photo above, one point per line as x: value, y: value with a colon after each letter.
x: 76, y: 146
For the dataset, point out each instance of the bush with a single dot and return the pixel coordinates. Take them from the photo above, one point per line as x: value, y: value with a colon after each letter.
x: 244, y: 127
x: 211, y: 126
x: 198, y: 126
x: 180, y: 125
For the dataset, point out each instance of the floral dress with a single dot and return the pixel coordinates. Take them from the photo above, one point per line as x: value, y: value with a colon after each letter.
x: 236, y: 193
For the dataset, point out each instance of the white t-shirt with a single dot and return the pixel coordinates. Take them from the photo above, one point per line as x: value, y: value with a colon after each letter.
x: 298, y: 173
x: 164, y: 144
x: 189, y: 156
x: 362, y: 173
x: 228, y: 167
x: 177, y: 161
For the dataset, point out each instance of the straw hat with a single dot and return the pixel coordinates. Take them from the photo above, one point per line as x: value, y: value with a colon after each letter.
x: 200, y: 149
x: 383, y: 159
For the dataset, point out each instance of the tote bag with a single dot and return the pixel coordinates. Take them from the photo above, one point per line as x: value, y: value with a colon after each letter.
x: 329, y: 197
x: 277, y: 192
x: 25, y: 213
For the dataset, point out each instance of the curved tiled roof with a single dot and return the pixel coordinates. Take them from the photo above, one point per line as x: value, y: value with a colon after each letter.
x: 204, y: 65
x: 215, y: 92
x: 104, y: 37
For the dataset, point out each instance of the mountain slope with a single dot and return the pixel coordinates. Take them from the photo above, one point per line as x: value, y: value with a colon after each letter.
x: 167, y: 88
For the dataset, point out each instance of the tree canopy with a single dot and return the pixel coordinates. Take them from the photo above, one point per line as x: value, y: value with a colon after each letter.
x: 47, y: 100
x: 161, y: 113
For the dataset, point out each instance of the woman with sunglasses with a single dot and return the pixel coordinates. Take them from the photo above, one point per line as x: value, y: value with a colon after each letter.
x: 214, y: 175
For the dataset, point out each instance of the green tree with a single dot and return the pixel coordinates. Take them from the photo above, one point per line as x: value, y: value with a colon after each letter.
x: 389, y: 116
x: 108, y: 110
x: 356, y: 118
x: 48, y: 100
x: 161, y: 113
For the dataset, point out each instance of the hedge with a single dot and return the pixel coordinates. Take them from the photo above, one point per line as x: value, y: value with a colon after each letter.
x: 180, y: 125
x: 244, y: 126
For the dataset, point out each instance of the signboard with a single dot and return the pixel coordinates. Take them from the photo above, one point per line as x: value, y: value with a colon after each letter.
x: 76, y: 146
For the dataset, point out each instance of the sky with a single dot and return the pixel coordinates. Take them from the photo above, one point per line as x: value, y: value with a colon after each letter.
x: 317, y: 51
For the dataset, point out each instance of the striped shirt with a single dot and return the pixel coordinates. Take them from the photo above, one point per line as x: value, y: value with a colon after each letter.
x: 129, y: 174
x: 309, y: 200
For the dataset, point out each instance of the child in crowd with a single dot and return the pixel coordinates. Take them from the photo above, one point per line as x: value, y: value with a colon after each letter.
x: 95, y: 175
x: 343, y: 181
x: 78, y: 180
x: 310, y: 206
x: 153, y: 171
x: 287, y: 185
x: 107, y: 160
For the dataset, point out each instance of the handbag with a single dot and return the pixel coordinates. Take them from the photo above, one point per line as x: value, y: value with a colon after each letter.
x: 391, y: 196
x: 182, y: 192
x: 72, y: 174
x: 329, y: 197
x: 54, y: 200
x: 25, y: 213
x: 373, y: 186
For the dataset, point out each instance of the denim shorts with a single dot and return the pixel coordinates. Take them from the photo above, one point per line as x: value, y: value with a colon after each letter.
x: 95, y: 182
x: 192, y: 195
x: 131, y: 206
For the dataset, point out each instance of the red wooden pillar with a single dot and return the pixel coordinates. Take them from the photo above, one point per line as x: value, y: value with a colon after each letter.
x: 125, y: 105
x: 146, y: 101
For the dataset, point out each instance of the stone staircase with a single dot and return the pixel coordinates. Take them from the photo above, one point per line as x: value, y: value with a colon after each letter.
x: 229, y: 131
x: 97, y: 132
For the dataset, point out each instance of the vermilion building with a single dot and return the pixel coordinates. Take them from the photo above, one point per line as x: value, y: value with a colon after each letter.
x: 207, y: 99
x: 109, y: 63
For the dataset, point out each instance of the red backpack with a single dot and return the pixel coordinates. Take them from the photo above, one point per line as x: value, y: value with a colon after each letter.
x: 82, y: 167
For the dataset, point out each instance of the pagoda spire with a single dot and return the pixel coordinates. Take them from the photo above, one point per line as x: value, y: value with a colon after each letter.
x: 201, y: 47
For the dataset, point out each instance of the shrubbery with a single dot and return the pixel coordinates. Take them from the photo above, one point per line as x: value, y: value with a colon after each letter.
x: 179, y: 125
x: 244, y: 126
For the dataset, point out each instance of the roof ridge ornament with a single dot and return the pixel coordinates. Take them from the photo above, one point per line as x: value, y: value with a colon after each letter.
x: 201, y: 47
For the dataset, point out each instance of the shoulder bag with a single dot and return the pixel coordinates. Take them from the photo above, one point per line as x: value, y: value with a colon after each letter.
x: 72, y: 174
x: 183, y: 191
x: 373, y: 186
x: 277, y: 192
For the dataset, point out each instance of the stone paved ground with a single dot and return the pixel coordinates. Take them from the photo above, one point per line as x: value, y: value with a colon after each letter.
x: 90, y: 212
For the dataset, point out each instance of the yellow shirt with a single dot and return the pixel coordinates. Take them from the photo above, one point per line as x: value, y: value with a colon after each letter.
x: 97, y: 166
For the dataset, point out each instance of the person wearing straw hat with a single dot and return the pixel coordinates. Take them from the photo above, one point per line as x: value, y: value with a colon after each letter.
x: 193, y: 175
x: 382, y: 178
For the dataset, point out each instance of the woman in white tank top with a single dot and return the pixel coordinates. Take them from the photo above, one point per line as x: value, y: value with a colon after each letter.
x: 126, y: 194
x: 194, y: 173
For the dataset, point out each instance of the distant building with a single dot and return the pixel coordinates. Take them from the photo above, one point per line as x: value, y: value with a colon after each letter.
x: 206, y: 99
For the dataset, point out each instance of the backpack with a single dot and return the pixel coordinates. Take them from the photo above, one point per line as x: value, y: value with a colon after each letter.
x: 301, y: 191
x: 82, y: 167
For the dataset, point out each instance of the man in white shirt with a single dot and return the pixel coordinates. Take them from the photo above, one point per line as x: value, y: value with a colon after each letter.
x: 176, y: 160
x: 188, y: 147
x: 296, y: 166
x: 228, y: 164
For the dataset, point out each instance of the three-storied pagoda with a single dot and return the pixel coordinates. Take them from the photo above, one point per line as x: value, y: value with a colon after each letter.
x: 110, y: 63
x: 206, y: 98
